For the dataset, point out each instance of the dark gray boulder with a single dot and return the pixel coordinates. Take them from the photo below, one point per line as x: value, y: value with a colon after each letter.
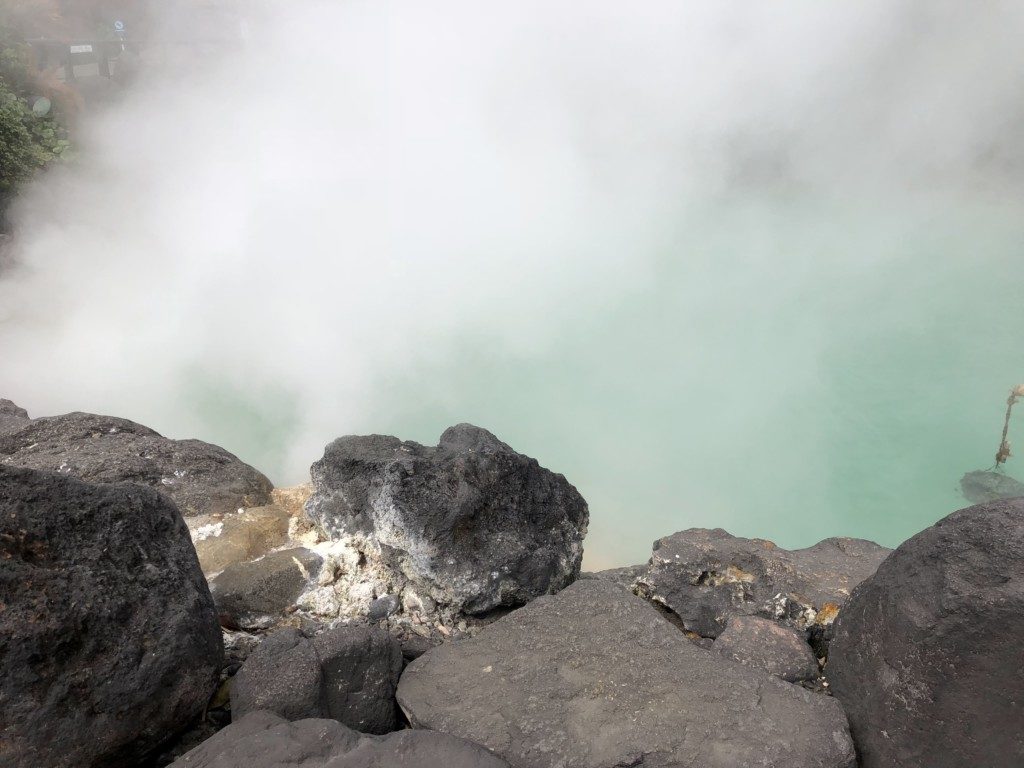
x: 927, y: 654
x: 594, y: 677
x: 348, y: 674
x: 470, y: 523
x: 12, y: 418
x: 264, y: 740
x: 282, y: 675
x: 769, y: 646
x: 705, y: 576
x: 109, y: 642
x: 199, y: 477
x: 361, y: 667
x: 417, y: 749
x: 254, y: 595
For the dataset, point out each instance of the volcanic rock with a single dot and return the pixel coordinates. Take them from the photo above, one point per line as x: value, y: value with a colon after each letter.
x: 254, y: 595
x: 109, y: 641
x: 347, y: 673
x: 927, y: 654
x: 282, y: 675
x: 239, y: 538
x: 414, y: 646
x: 594, y: 677
x: 293, y: 499
x: 705, y: 576
x: 470, y: 524
x: 626, y: 577
x: 361, y: 667
x: 200, y: 478
x: 764, y: 644
x: 264, y: 740
x: 382, y: 607
x: 12, y: 418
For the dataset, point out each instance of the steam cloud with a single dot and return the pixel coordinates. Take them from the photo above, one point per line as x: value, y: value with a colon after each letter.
x: 697, y: 256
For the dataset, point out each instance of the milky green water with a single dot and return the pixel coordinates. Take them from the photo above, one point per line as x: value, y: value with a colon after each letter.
x: 790, y: 370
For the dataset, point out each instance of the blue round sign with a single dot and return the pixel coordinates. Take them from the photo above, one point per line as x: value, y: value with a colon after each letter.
x: 119, y: 26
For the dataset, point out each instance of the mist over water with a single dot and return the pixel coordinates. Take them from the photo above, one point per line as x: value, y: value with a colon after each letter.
x: 757, y: 267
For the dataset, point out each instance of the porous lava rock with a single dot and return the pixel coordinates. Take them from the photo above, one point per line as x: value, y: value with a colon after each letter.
x: 348, y: 673
x: 199, y: 477
x: 469, y: 524
x: 704, y: 576
x: 109, y: 643
x: 595, y: 677
x: 265, y: 740
x: 927, y: 656
x: 361, y: 667
x: 282, y: 675
x: 765, y: 644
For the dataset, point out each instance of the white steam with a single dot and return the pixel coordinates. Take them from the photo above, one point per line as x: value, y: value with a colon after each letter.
x: 366, y: 190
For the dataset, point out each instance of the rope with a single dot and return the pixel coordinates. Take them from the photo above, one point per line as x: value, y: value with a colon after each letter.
x: 1004, y: 444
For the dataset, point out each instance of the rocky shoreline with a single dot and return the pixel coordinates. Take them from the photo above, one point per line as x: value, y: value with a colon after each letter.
x: 162, y: 604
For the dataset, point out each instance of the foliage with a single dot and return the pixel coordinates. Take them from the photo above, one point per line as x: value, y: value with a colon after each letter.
x: 29, y: 141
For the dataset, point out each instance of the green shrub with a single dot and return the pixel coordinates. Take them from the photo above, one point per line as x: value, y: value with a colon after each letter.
x: 29, y: 141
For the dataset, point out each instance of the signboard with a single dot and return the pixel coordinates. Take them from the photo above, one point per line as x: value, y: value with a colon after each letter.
x: 81, y: 49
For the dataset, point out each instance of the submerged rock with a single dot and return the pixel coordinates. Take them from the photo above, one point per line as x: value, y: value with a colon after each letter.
x: 254, y: 595
x: 594, y: 677
x: 199, y: 477
x: 12, y: 418
x: 109, y: 642
x: 980, y: 487
x: 927, y: 654
x: 705, y: 576
x: 766, y: 645
x: 346, y: 673
x: 470, y: 524
x: 264, y: 740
